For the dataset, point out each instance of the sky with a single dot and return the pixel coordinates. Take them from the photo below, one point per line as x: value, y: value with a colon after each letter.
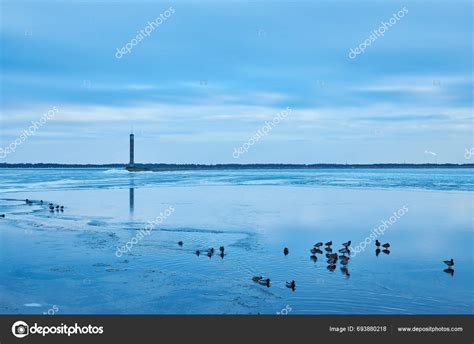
x: 210, y: 75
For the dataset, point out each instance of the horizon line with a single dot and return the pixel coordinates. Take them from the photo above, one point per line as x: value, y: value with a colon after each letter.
x: 237, y: 165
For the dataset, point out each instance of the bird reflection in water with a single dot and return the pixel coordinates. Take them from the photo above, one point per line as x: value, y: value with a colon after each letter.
x: 449, y: 271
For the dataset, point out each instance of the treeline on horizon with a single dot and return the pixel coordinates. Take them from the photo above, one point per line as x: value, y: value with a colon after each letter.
x: 164, y: 166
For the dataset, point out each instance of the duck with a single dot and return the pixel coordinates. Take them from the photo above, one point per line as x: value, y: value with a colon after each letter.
x: 328, y: 249
x: 386, y: 245
x: 331, y: 267
x: 386, y: 251
x: 331, y: 255
x: 377, y: 243
x: 346, y: 244
x: 57, y: 206
x: 313, y: 258
x: 314, y: 250
x: 264, y: 281
x: 2, y: 216
x: 180, y: 243
x: 377, y: 252
x: 286, y: 251
x: 291, y: 285
x: 344, y: 250
x: 51, y: 208
x: 344, y: 261
x: 221, y: 249
x: 210, y: 252
x: 257, y: 278
x: 318, y: 244
x: 41, y: 202
x: 331, y: 261
x: 198, y: 253
x: 62, y: 208
x: 449, y: 262
x: 317, y: 250
x: 329, y: 243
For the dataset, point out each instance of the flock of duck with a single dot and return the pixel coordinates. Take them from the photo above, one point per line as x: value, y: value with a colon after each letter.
x: 257, y: 279
x: 209, y: 252
x: 57, y: 207
x: 331, y: 258
x: 385, y: 246
x: 52, y: 207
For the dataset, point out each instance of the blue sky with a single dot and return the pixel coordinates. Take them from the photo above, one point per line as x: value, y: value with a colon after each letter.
x: 209, y: 77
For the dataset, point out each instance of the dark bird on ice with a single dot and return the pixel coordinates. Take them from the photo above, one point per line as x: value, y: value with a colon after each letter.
x: 291, y: 285
x: 449, y: 262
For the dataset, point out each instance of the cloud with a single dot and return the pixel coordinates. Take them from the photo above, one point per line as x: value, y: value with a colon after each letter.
x: 197, y: 117
x: 414, y: 84
x: 405, y: 118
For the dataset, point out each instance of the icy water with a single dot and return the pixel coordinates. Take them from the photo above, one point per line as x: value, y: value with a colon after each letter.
x: 67, y: 262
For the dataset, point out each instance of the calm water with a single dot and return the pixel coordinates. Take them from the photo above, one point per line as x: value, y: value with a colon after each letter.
x: 66, y: 262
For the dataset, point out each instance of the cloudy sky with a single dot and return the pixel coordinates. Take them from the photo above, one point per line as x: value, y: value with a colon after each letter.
x: 209, y: 77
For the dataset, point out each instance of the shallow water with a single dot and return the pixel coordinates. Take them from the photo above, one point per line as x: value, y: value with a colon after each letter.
x: 68, y: 259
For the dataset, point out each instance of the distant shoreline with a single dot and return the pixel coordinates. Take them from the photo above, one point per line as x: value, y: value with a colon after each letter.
x: 202, y: 167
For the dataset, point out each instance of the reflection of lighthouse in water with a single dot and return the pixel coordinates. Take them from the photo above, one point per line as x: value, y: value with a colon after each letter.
x: 131, y: 195
x: 131, y: 198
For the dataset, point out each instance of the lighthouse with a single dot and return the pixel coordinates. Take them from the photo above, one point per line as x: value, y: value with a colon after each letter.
x: 132, y: 153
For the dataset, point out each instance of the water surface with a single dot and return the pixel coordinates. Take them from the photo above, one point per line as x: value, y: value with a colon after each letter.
x: 68, y: 259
